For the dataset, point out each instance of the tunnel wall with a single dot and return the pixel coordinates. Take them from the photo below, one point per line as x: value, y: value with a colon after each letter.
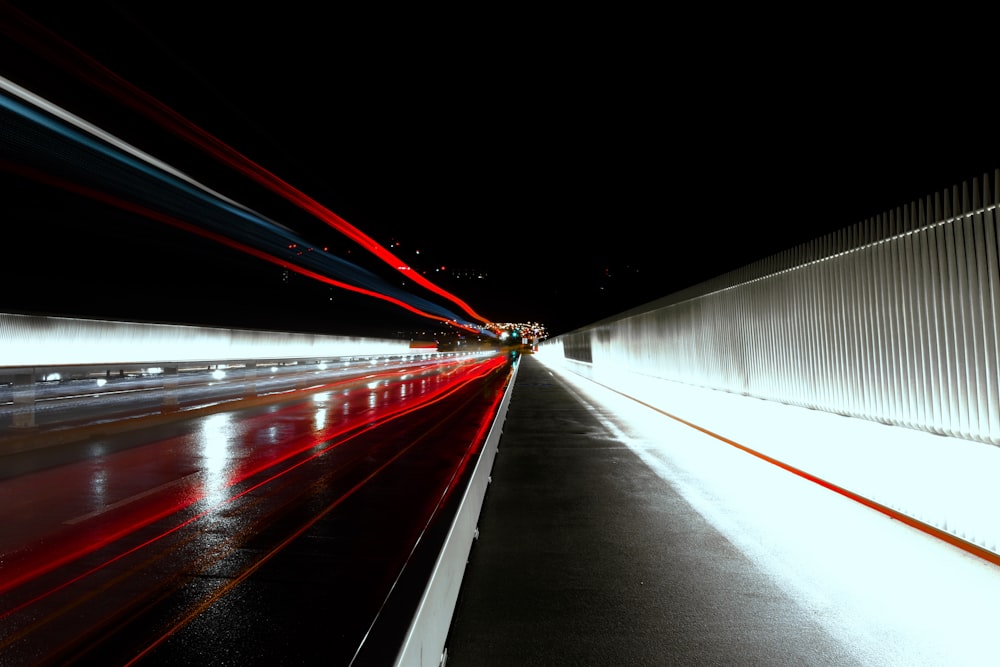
x: 893, y: 319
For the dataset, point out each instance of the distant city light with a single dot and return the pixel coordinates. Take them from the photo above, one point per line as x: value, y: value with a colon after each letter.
x: 529, y: 331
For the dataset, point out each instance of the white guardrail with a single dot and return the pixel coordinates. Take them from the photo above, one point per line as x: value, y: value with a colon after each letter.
x: 32, y: 341
x: 424, y: 645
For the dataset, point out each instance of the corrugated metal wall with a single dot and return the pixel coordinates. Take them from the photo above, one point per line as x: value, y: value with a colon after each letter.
x: 893, y: 319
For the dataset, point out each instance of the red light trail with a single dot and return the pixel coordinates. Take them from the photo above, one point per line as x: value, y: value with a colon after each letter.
x: 122, y: 204
x: 22, y: 29
x: 22, y: 568
x: 219, y: 497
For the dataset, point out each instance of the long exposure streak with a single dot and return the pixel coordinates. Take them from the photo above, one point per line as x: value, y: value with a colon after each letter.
x: 236, y: 245
x: 69, y: 58
x: 143, y: 173
x: 16, y: 575
x: 481, y: 373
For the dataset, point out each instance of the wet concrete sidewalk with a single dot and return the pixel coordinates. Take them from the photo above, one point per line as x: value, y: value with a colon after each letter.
x: 586, y: 557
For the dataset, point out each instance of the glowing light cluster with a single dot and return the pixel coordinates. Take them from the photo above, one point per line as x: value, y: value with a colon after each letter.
x: 525, y: 330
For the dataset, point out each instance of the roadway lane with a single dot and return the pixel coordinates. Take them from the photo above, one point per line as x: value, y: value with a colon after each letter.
x: 614, y: 535
x: 85, y: 402
x: 297, y: 532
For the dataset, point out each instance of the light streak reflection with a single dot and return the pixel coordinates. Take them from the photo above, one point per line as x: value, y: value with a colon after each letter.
x: 129, y: 179
x: 43, y: 43
x: 219, y: 484
x: 216, y: 437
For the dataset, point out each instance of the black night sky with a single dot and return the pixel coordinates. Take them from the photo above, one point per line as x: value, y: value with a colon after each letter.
x: 581, y: 165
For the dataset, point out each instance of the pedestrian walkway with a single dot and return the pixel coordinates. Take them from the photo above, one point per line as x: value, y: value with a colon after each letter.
x: 586, y: 557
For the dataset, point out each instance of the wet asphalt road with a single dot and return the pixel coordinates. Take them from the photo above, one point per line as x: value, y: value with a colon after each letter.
x: 299, y: 532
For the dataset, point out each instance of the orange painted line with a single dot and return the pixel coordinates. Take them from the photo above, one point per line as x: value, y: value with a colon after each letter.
x: 933, y: 531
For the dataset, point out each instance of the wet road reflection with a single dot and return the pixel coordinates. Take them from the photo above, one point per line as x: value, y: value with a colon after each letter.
x: 164, y: 544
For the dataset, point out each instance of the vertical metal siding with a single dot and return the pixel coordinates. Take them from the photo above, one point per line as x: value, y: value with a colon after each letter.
x: 893, y: 319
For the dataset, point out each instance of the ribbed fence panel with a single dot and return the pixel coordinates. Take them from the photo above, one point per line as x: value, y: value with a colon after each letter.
x: 950, y: 323
x: 863, y: 300
x: 893, y: 319
x: 912, y: 396
x: 991, y: 346
x: 927, y: 318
